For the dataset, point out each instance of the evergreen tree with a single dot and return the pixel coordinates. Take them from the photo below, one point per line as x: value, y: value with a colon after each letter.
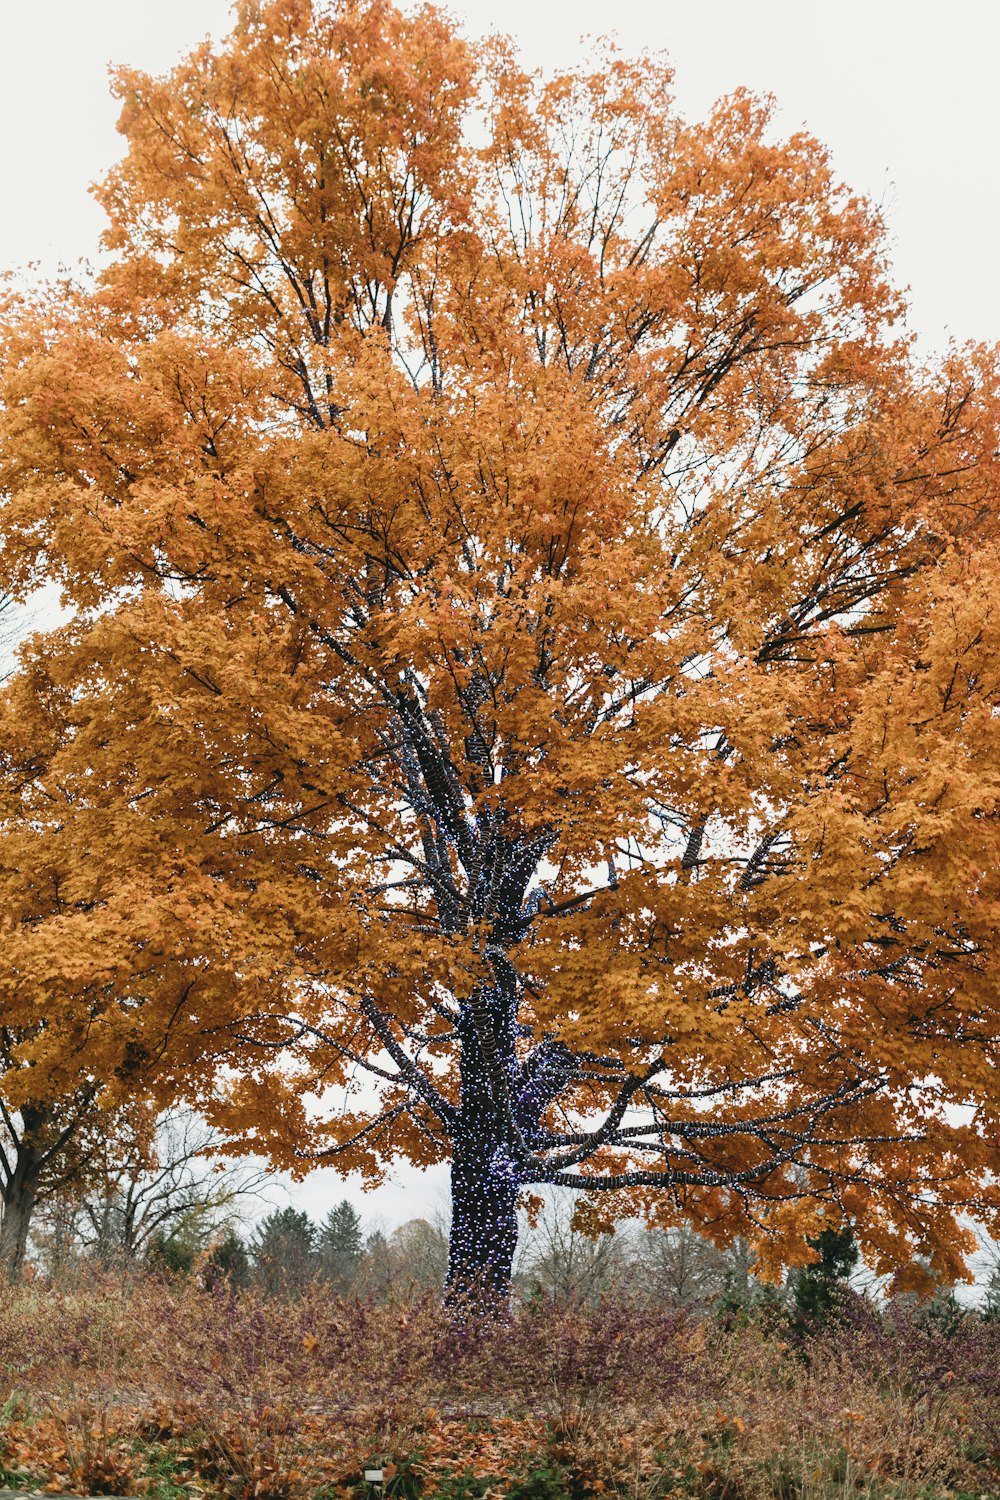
x: 819, y: 1286
x: 229, y: 1260
x: 284, y: 1251
x: 340, y: 1245
x: 172, y: 1253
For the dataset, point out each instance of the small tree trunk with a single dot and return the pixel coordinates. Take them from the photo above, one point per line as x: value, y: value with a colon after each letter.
x: 484, y: 1189
x: 20, y: 1194
x: 740, y: 1279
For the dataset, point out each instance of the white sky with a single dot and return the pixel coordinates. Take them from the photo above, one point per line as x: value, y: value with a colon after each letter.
x: 903, y: 92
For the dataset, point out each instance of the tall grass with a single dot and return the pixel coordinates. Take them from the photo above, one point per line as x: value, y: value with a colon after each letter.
x: 147, y: 1386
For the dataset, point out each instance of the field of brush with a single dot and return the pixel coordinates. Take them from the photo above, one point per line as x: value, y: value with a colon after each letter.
x: 171, y: 1389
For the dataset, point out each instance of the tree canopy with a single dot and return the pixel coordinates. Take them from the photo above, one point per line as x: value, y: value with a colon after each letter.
x: 532, y: 669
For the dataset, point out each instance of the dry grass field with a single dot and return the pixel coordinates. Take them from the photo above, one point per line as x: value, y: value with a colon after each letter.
x: 171, y: 1389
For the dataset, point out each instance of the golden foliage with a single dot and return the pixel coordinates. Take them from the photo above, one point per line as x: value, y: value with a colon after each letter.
x: 534, y: 623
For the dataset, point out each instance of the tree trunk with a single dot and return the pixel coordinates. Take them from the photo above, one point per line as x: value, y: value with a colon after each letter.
x: 484, y: 1176
x: 20, y: 1193
x: 484, y: 1189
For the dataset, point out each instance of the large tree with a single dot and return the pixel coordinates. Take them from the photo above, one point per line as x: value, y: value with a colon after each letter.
x: 535, y: 600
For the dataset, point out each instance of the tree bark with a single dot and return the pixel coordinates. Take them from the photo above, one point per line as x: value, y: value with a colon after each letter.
x: 19, y: 1195
x: 484, y: 1188
x: 484, y: 1171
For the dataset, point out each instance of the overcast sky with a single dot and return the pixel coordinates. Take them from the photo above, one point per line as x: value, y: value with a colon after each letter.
x: 903, y: 92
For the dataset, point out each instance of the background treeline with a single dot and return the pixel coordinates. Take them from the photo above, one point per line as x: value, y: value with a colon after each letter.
x: 172, y: 1205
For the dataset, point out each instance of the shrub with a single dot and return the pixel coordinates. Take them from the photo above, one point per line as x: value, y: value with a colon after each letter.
x: 160, y: 1386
